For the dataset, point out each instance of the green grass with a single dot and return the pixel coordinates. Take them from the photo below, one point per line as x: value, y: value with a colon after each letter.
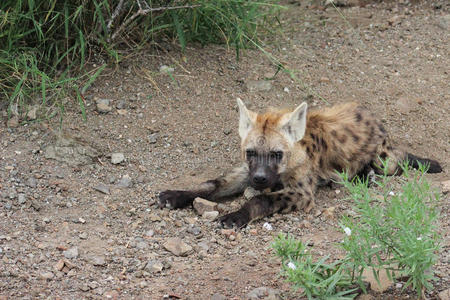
x: 45, y: 46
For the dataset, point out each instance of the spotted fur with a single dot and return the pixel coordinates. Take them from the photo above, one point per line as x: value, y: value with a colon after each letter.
x: 288, y: 154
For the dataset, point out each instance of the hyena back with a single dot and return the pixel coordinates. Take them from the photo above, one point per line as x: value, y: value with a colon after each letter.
x: 287, y: 154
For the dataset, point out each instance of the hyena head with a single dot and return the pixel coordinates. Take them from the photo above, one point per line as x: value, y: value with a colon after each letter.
x: 267, y: 141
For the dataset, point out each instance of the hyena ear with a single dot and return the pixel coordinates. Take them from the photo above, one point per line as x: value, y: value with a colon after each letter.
x: 246, y: 119
x: 293, y: 125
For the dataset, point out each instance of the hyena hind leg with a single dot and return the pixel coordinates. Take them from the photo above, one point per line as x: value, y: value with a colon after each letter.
x: 229, y: 185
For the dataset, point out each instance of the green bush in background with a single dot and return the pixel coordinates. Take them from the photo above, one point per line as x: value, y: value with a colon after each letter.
x: 46, y: 44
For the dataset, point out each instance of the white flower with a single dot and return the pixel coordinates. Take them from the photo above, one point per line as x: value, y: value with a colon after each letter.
x: 419, y: 238
x: 267, y: 226
x: 391, y: 193
x: 291, y: 265
x: 348, y: 231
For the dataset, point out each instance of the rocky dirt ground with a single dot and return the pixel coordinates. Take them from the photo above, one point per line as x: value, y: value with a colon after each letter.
x: 78, y: 217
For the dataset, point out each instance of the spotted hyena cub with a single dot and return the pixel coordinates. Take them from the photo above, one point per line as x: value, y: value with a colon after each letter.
x: 287, y: 154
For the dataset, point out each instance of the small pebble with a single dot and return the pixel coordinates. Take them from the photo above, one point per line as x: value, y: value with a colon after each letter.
x: 98, y: 260
x: 102, y: 188
x: 71, y: 253
x: 267, y: 226
x: 125, y: 182
x: 47, y: 275
x: 117, y: 158
x: 166, y: 69
x: 152, y: 138
x: 103, y: 106
x: 21, y: 198
x: 210, y: 215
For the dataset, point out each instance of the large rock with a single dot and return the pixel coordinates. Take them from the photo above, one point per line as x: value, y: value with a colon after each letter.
x: 177, y: 247
x: 202, y: 205
x: 67, y: 150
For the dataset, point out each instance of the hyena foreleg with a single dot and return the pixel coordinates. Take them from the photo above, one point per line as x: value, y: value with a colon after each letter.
x: 229, y: 185
x: 263, y: 205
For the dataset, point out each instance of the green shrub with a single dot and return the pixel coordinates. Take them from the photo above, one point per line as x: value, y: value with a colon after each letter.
x: 396, y: 232
x: 45, y: 45
x: 393, y: 232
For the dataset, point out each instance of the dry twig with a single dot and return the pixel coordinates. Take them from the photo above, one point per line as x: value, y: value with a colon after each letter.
x: 143, y: 12
x: 116, y: 12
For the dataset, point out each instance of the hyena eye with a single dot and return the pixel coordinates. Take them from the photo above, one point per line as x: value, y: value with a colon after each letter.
x: 278, y: 155
x: 250, y: 154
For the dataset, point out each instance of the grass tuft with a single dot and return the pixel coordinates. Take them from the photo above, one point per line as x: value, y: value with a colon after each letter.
x: 45, y: 46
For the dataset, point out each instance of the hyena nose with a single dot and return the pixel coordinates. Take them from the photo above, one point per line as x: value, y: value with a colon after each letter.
x: 260, y: 179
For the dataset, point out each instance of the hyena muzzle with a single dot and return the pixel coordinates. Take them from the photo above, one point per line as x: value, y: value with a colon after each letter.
x: 288, y: 154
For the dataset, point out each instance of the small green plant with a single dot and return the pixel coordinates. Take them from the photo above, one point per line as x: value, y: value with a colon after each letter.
x: 316, y: 278
x: 392, y: 232
x: 395, y: 232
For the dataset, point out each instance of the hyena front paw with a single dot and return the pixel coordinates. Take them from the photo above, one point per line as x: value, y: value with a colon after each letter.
x: 175, y: 199
x: 237, y: 219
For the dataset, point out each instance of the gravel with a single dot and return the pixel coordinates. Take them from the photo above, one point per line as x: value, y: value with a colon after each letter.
x: 187, y: 132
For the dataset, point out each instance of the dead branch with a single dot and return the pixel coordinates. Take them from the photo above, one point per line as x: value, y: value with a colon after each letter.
x: 116, y: 12
x: 146, y: 11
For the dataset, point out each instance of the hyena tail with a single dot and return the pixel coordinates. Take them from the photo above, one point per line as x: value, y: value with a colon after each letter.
x: 397, y: 156
x: 414, y: 161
